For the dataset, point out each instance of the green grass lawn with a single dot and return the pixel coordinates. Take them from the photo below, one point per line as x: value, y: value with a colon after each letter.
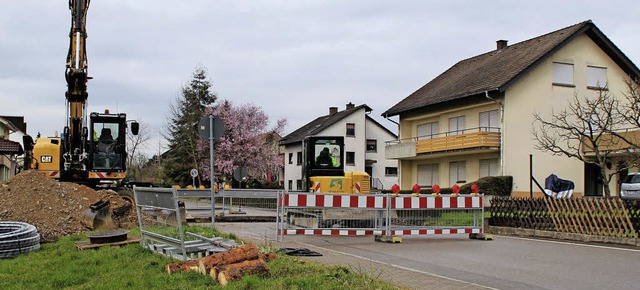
x: 60, y: 265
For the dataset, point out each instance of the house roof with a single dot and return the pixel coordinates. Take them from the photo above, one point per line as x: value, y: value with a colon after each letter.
x: 6, y: 120
x: 497, y: 69
x: 319, y: 124
x: 10, y: 147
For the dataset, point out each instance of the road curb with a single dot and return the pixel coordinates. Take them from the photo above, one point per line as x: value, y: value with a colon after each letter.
x: 507, y: 231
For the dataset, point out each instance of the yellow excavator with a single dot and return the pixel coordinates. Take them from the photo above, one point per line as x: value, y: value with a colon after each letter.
x: 91, y: 153
x: 323, y: 167
x: 323, y: 171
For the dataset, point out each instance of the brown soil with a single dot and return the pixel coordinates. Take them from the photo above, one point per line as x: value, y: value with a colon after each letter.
x: 55, y: 208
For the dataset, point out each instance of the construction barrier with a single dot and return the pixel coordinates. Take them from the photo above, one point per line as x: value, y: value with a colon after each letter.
x: 159, y: 211
x: 229, y: 201
x: 303, y: 213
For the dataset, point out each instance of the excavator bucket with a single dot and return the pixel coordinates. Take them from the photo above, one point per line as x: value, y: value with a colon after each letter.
x: 98, y: 216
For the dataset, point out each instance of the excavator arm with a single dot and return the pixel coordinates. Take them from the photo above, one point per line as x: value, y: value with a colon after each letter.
x: 76, y: 75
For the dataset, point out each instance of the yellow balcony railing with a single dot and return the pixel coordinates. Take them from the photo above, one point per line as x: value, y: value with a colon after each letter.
x: 467, y: 139
x: 609, y: 142
x: 457, y: 142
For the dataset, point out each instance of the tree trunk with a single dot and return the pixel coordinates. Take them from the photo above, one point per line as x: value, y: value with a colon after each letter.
x: 182, y: 266
x: 234, y: 255
x: 236, y: 271
x: 244, y: 264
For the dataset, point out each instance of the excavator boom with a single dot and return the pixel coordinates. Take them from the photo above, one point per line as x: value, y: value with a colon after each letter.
x: 76, y: 75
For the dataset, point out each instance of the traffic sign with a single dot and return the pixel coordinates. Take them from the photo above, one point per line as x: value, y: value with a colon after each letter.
x: 193, y: 172
x: 204, y: 127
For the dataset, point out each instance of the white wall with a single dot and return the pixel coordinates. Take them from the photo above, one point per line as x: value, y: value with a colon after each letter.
x: 376, y: 132
x: 292, y: 171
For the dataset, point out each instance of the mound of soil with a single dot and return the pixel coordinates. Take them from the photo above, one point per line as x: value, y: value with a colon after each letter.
x: 55, y: 208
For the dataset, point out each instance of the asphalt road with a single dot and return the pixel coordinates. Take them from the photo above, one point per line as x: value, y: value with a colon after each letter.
x: 504, y: 263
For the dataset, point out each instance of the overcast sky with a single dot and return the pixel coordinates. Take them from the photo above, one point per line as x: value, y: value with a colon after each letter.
x: 295, y: 59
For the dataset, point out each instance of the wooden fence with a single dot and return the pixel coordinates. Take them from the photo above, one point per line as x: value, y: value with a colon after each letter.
x: 610, y: 217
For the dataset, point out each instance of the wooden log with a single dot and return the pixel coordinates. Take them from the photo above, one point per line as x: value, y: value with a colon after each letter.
x: 232, y: 272
x: 182, y: 266
x: 248, y: 263
x: 268, y: 257
x: 234, y: 255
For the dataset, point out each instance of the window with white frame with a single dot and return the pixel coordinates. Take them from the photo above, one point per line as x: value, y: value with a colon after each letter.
x: 290, y: 158
x: 563, y: 74
x: 489, y: 167
x: 391, y: 171
x: 290, y: 184
x: 351, y: 130
x: 299, y: 184
x: 457, y: 172
x: 489, y: 121
x: 372, y: 145
x: 428, y: 174
x: 350, y: 158
x: 428, y: 130
x: 596, y: 77
x: 299, y: 158
x: 457, y: 125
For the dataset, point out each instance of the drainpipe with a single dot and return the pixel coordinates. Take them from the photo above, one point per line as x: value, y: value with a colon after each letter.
x: 392, y: 121
x: 486, y: 93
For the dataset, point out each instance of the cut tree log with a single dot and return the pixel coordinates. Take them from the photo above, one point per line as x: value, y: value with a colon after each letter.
x: 268, y: 257
x: 234, y: 272
x: 244, y: 264
x: 182, y: 266
x: 233, y: 255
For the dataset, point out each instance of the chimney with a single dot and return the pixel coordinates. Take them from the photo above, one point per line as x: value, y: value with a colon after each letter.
x: 333, y: 110
x: 350, y: 105
x: 501, y: 44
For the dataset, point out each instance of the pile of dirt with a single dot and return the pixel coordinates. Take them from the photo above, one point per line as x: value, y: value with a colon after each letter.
x: 55, y: 208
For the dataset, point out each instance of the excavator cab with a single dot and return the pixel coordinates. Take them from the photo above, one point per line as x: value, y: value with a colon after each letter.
x: 324, y: 170
x: 107, y: 146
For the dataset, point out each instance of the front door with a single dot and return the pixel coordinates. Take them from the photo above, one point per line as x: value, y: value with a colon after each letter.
x: 592, y: 180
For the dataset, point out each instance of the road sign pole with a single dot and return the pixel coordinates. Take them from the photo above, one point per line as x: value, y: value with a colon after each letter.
x: 213, y: 198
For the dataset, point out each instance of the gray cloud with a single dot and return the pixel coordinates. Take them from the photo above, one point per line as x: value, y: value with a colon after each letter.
x: 293, y: 58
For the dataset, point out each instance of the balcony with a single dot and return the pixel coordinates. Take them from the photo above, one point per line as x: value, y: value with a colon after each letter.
x: 614, y: 144
x: 468, y: 140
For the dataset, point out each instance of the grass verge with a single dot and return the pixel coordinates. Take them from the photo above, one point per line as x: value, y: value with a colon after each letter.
x: 60, y: 265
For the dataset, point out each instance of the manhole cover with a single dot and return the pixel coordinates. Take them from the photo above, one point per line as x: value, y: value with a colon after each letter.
x: 110, y: 236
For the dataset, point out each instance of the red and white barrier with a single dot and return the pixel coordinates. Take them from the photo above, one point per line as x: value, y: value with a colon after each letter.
x: 334, y: 200
x: 380, y: 201
x: 336, y: 232
x: 439, y: 202
x: 376, y: 214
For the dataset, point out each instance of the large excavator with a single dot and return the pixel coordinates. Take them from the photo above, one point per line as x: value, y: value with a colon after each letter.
x: 92, y: 153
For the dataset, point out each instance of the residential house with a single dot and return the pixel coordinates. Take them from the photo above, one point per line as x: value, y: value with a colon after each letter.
x: 475, y: 119
x: 364, y: 146
x: 9, y: 150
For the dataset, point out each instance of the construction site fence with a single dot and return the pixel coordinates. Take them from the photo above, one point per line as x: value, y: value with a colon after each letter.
x: 161, y: 217
x: 302, y: 213
x: 607, y: 217
x: 232, y: 200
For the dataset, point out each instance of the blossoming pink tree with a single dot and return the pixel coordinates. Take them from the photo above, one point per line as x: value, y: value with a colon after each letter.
x: 248, y: 142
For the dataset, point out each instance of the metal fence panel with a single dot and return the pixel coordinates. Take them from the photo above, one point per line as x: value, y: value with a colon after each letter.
x: 153, y: 207
x: 378, y: 214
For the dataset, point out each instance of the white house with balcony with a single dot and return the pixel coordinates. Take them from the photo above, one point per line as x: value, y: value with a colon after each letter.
x: 364, y: 146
